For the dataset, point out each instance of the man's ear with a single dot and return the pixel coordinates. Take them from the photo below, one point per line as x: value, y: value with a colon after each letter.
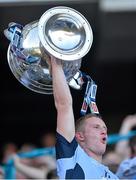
x: 79, y: 136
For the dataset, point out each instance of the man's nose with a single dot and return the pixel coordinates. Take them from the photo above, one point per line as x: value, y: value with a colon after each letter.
x: 104, y: 131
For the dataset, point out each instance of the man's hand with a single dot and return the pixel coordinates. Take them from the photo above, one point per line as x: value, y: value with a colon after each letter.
x: 53, y: 62
x: 128, y: 123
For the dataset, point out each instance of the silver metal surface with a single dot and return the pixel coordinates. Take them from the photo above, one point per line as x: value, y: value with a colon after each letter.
x: 61, y: 32
x: 65, y: 33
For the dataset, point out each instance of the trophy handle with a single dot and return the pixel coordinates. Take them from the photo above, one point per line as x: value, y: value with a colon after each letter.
x: 61, y: 32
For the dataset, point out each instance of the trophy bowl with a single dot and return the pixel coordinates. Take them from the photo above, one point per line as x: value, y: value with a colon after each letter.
x: 61, y: 32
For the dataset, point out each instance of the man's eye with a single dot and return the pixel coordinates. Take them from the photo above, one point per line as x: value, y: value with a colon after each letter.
x: 96, y: 127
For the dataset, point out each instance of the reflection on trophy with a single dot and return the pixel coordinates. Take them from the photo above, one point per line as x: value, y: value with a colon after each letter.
x: 61, y: 32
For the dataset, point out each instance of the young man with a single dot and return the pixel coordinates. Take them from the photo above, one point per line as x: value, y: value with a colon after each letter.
x: 79, y: 149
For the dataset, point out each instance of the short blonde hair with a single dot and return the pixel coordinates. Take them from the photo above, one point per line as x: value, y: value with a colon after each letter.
x: 80, y: 122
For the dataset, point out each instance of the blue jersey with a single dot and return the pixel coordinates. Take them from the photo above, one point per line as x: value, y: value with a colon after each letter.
x: 127, y: 169
x: 74, y: 163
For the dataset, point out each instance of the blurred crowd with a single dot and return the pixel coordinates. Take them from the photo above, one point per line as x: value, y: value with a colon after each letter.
x: 120, y: 160
x: 35, y: 165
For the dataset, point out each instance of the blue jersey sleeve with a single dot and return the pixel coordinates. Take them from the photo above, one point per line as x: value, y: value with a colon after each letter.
x: 64, y: 149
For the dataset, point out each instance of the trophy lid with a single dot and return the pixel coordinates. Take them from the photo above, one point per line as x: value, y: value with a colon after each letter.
x: 65, y: 33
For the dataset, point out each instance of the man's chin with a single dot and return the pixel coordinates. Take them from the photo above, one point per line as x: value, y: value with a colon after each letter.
x: 102, y: 151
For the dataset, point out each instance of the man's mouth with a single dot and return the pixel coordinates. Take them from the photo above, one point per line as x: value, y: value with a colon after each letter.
x: 104, y: 140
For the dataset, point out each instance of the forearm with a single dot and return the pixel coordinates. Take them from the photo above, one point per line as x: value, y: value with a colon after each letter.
x: 63, y: 102
x: 61, y: 89
x: 122, y: 147
x: 31, y: 172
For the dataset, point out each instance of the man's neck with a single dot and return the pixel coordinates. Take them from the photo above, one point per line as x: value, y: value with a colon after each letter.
x: 93, y: 155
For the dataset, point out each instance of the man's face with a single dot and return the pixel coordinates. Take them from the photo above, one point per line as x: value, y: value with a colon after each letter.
x: 95, y: 135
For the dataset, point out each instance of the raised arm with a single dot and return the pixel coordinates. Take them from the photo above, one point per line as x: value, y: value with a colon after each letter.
x: 63, y: 101
x: 122, y: 147
x: 29, y: 171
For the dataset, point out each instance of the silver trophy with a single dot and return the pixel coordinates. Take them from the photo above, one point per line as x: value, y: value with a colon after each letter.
x: 61, y: 32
